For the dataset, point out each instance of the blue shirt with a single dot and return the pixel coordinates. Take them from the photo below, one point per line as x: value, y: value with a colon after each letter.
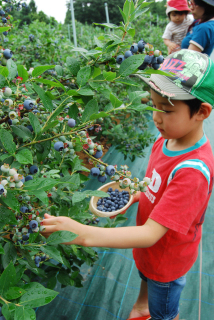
x: 201, y: 35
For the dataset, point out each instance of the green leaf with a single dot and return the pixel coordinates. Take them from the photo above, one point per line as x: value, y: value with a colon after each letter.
x: 10, y: 254
x: 138, y: 95
x: 53, y: 252
x: 99, y: 115
x: 12, y: 68
x: 4, y: 71
x: 6, y: 217
x: 24, y: 313
x: 109, y: 76
x: 83, y: 76
x: 107, y: 25
x: 41, y: 69
x: 8, y: 278
x: 51, y: 83
x: 3, y: 29
x: 33, y: 237
x: 4, y: 156
x: 35, y: 123
x: 2, y: 81
x: 73, y: 65
x: 86, y: 92
x: 8, y: 311
x: 46, y: 100
x: 39, y: 184
x: 10, y: 200
x: 53, y: 115
x: 36, y: 295
x: 131, y: 32
x: 131, y: 64
x: 22, y: 132
x: 61, y: 237
x: 24, y: 156
x: 96, y: 72
x: 50, y: 125
x: 73, y: 111
x: 90, y: 108
x: 7, y: 141
x: 26, y: 255
x: 59, y: 70
x: 115, y: 102
x: 1, y: 249
x: 14, y: 293
x: 128, y: 82
x: 22, y: 72
x: 41, y: 195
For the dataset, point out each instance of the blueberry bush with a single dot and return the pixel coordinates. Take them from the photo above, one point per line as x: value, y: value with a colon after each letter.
x: 49, y: 112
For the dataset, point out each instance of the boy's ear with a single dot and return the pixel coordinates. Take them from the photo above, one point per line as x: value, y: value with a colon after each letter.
x: 204, y: 111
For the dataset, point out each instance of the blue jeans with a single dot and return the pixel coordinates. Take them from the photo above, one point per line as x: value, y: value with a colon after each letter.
x: 163, y: 297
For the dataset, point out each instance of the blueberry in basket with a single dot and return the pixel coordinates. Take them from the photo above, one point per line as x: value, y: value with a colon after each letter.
x: 116, y: 201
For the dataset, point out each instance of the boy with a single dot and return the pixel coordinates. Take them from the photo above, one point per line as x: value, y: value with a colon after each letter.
x: 171, y: 212
x: 177, y: 12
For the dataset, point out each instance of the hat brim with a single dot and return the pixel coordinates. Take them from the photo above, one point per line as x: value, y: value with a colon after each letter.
x: 166, y: 88
x: 210, y: 2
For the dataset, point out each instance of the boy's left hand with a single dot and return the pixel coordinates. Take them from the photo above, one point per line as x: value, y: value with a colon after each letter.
x: 53, y: 224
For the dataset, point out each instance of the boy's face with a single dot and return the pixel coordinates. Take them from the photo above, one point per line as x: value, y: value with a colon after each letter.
x: 175, y: 122
x: 176, y: 17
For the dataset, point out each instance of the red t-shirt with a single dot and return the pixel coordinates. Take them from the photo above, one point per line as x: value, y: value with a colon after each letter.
x: 177, y: 198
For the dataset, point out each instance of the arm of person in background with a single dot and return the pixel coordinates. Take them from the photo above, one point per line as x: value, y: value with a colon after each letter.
x: 195, y: 48
x: 172, y: 46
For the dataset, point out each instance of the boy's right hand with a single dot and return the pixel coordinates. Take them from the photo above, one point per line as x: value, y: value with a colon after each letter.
x: 173, y: 47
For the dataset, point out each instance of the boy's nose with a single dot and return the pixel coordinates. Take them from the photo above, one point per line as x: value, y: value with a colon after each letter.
x: 157, y: 117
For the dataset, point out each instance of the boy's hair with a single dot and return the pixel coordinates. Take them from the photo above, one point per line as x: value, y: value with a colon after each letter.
x: 209, y: 10
x: 194, y: 106
x: 178, y: 12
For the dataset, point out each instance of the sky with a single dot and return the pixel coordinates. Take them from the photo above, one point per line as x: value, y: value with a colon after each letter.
x: 54, y: 8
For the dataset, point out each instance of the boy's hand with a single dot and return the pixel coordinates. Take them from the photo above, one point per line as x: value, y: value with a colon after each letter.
x: 53, y: 224
x: 173, y: 47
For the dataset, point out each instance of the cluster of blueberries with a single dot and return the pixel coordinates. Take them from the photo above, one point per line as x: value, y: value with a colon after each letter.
x: 152, y: 59
x: 116, y: 201
x: 102, y: 172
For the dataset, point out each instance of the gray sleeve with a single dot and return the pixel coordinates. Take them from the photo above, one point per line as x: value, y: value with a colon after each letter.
x: 168, y: 32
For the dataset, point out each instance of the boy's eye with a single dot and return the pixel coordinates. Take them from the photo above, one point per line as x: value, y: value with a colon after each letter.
x: 167, y: 111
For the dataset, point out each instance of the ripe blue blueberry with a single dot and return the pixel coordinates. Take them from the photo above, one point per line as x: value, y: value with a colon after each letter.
x: 33, y: 224
x: 142, y: 67
x: 59, y: 146
x: 28, y: 178
x: 25, y: 237
x: 33, y: 169
x: 102, y: 178
x: 2, y: 13
x: 155, y: 66
x: 110, y: 170
x: 4, y: 20
x: 120, y: 59
x: 1, y: 189
x: 71, y: 123
x: 148, y: 59
x: 128, y: 54
x: 28, y: 104
x: 7, y: 53
x: 98, y: 154
x: 30, y: 128
x: 95, y: 172
x: 37, y: 259
x: 160, y: 59
x: 24, y: 209
x: 10, y: 122
x: 134, y: 48
x: 141, y: 45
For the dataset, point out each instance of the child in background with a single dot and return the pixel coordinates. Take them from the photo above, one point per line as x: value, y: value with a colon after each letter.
x: 171, y: 212
x: 177, y: 12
